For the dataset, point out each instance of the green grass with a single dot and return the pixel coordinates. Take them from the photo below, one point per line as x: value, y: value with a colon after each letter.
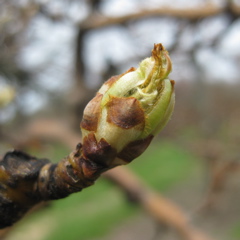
x: 98, y: 209
x: 163, y: 165
x: 235, y: 231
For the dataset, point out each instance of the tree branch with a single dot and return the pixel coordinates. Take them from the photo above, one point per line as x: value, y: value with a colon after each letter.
x: 115, y: 131
x: 98, y: 21
x: 162, y: 209
x: 156, y: 205
x: 26, y: 181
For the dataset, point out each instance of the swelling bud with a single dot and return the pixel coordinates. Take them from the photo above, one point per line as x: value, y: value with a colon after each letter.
x: 130, y: 109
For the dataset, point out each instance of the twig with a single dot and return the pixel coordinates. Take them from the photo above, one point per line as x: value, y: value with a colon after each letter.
x: 98, y: 21
x: 164, y: 211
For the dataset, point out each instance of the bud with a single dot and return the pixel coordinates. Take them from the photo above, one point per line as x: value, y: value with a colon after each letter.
x: 131, y: 108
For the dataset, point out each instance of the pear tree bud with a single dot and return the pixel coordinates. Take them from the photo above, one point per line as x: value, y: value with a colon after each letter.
x: 118, y: 125
x: 129, y: 110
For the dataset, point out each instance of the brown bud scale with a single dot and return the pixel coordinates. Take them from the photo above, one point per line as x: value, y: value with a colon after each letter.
x: 92, y: 113
x: 126, y: 113
x: 100, y: 152
x: 134, y: 149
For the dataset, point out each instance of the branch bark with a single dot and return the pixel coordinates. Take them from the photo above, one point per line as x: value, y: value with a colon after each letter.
x: 26, y: 181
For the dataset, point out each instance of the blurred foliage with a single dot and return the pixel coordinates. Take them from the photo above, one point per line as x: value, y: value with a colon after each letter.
x: 236, y: 231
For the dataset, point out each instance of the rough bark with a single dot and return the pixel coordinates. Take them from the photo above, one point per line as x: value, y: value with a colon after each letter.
x: 26, y: 180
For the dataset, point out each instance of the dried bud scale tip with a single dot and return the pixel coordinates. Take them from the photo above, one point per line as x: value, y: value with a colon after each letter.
x: 132, y: 106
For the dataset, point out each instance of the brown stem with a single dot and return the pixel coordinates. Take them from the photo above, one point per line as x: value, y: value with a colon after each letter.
x: 162, y: 209
x: 26, y: 180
